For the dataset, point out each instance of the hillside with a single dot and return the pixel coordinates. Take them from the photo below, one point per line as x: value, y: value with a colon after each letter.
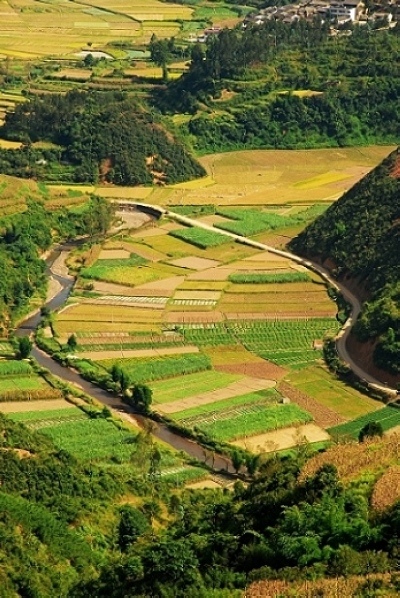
x: 358, y: 237
x: 94, y: 137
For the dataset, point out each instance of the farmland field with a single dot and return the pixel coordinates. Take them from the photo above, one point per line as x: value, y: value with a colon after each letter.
x: 199, y: 237
x: 388, y: 417
x: 334, y: 394
x: 253, y: 421
x: 182, y: 387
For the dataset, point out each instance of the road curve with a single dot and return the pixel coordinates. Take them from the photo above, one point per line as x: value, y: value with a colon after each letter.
x: 341, y: 339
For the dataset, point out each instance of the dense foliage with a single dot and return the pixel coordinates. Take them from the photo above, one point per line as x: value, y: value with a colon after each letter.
x: 361, y: 234
x: 106, y: 137
x: 289, y: 86
x: 23, y: 237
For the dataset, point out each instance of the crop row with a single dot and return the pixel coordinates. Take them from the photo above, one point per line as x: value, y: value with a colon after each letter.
x: 146, y: 370
x: 388, y: 417
x: 199, y: 237
x: 14, y: 368
x: 250, y: 424
x: 250, y: 222
x: 256, y: 278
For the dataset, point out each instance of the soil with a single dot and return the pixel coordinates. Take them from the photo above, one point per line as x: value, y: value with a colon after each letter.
x: 195, y: 263
x: 283, y: 439
x: 323, y: 416
x: 266, y: 370
x: 24, y: 406
x: 244, y: 386
x: 131, y: 353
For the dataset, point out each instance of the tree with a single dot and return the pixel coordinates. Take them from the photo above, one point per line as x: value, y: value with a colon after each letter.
x: 72, y: 342
x: 237, y: 460
x: 142, y: 397
x: 370, y: 430
x: 132, y: 524
x: 24, y: 347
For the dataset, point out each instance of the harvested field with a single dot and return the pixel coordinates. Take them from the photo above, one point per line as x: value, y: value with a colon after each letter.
x: 127, y: 354
x: 203, y: 484
x: 233, y: 355
x: 101, y: 313
x: 114, y: 254
x: 352, y: 459
x: 200, y: 295
x: 241, y: 387
x: 195, y: 263
x: 67, y: 327
x: 387, y: 489
x: 143, y: 251
x: 323, y: 416
x: 26, y: 406
x: 214, y: 274
x: 146, y: 302
x: 265, y: 369
x: 283, y: 439
x: 167, y: 284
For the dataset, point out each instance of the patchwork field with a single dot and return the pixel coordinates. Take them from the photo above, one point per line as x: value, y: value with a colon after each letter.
x: 19, y: 382
x: 228, y: 337
x: 64, y: 28
x: 332, y: 393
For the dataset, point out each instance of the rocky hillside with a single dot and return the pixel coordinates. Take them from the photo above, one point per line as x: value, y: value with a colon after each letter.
x: 358, y: 237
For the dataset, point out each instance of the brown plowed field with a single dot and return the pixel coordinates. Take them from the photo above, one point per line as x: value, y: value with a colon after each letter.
x: 266, y: 370
x: 323, y: 416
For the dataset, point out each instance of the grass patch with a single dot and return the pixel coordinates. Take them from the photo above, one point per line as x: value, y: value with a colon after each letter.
x: 48, y: 415
x: 251, y: 222
x: 388, y: 417
x: 147, y: 370
x: 15, y: 368
x: 200, y: 237
x: 333, y: 393
x: 182, y: 387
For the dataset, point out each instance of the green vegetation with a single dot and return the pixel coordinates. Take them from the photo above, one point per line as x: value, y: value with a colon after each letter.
x: 15, y: 368
x: 269, y: 278
x: 250, y: 222
x: 188, y: 385
x: 93, y: 143
x: 360, y: 235
x: 143, y: 370
x: 256, y: 419
x: 262, y: 397
x: 388, y: 417
x: 100, y: 270
x: 292, y: 92
x: 285, y: 342
x: 200, y: 237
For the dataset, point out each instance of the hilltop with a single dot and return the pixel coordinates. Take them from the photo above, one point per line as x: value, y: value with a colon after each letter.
x: 358, y: 238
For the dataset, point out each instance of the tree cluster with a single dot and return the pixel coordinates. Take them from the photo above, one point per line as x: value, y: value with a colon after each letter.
x: 360, y: 233
x: 101, y: 137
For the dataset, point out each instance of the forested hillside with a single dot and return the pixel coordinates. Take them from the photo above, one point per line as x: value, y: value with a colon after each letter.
x: 107, y: 137
x: 24, y: 236
x: 74, y: 529
x: 289, y: 86
x: 361, y: 235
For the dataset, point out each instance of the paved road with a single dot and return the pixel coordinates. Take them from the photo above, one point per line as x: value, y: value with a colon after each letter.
x: 341, y: 340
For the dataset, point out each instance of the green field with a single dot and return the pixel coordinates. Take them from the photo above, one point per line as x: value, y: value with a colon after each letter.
x: 15, y: 367
x: 318, y: 383
x: 21, y: 383
x: 251, y: 222
x: 256, y: 278
x: 190, y: 416
x: 182, y: 387
x: 147, y: 370
x: 47, y: 415
x: 200, y: 237
x: 257, y: 420
x: 388, y: 417
x: 101, y: 269
x: 285, y: 342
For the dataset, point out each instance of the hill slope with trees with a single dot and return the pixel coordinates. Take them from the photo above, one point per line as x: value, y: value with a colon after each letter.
x: 360, y: 235
x: 108, y: 137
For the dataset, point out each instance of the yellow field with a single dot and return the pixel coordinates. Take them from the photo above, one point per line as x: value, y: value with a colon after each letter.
x: 262, y: 177
x: 31, y: 29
